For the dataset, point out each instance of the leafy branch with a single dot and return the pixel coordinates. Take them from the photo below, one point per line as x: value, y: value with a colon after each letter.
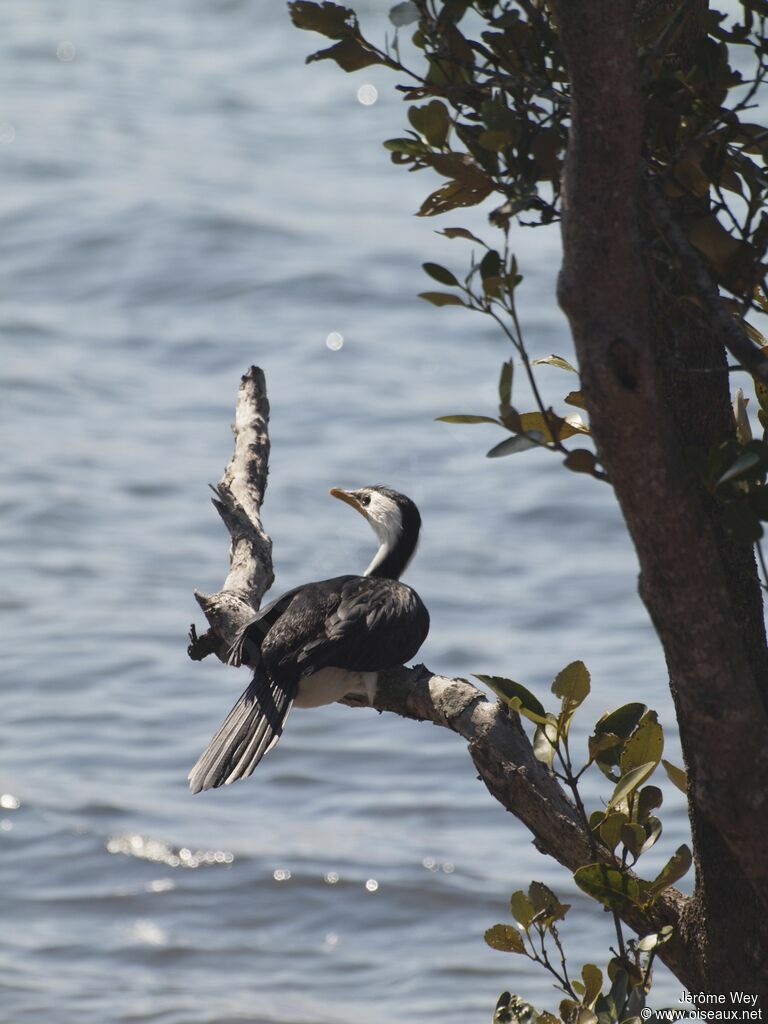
x: 626, y: 746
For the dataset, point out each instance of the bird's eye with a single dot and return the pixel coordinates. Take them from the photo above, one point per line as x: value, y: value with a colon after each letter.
x: 365, y: 500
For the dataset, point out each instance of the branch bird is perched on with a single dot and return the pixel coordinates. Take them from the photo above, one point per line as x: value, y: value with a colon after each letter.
x: 322, y: 641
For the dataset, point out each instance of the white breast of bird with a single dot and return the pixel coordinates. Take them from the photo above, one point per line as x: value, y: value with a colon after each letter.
x: 331, y: 684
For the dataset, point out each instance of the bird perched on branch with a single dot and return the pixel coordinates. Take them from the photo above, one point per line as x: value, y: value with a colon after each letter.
x: 322, y: 641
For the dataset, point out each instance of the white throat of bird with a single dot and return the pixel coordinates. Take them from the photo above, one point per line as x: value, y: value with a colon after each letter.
x: 384, y: 516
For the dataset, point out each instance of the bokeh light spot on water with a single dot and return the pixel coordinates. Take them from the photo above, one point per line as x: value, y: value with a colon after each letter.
x: 331, y: 942
x: 429, y: 863
x: 9, y: 802
x: 145, y: 848
x: 367, y: 94
x: 6, y: 825
x: 149, y: 932
x: 7, y: 132
x: 66, y: 51
x: 281, y: 874
x: 331, y: 877
x: 372, y: 885
x: 334, y: 341
x: 161, y: 885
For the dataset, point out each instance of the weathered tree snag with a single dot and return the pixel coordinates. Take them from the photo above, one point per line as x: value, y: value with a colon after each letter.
x: 694, y: 583
x: 238, y: 500
x: 498, y: 746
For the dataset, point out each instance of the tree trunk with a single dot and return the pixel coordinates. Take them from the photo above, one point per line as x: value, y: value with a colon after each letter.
x: 647, y: 402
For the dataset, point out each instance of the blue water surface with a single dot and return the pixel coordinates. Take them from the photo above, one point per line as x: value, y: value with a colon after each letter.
x: 183, y: 198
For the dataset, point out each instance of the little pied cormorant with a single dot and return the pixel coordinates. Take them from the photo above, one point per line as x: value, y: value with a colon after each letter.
x: 321, y: 641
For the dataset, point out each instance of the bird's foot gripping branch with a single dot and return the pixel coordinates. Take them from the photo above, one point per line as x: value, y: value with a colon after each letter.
x: 538, y: 780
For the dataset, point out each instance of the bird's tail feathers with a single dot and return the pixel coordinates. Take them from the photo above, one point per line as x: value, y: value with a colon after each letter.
x: 252, y: 727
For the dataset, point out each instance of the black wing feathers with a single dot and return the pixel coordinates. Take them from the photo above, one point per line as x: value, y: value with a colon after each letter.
x: 251, y: 728
x: 358, y: 623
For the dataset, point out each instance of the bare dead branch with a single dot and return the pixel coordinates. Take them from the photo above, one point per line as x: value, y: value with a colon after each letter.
x: 238, y: 500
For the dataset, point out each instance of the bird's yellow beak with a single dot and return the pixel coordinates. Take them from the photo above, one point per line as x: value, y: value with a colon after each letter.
x: 348, y: 497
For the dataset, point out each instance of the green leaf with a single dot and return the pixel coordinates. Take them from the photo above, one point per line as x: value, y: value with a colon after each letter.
x: 596, y: 819
x: 633, y: 836
x: 584, y: 1016
x: 649, y: 942
x: 511, y: 419
x: 501, y: 1014
x: 328, y: 19
x: 432, y: 121
x: 412, y: 147
x: 648, y: 799
x: 522, y: 909
x: 471, y: 189
x: 518, y: 443
x: 516, y: 697
x: 593, y: 983
x: 610, y: 886
x: 505, y: 939
x: 610, y: 829
x: 622, y: 721
x: 620, y: 986
x: 677, y: 866
x: 565, y: 428
x: 494, y: 140
x: 348, y: 54
x: 644, y: 745
x: 568, y: 1010
x: 741, y: 466
x: 741, y: 416
x: 629, y: 782
x: 505, y: 385
x: 461, y: 233
x: 544, y: 740
x: 580, y: 460
x: 441, y: 298
x: 404, y: 14
x: 490, y: 265
x: 676, y: 776
x: 572, y: 685
x: 440, y: 274
x: 466, y: 419
x: 575, y: 398
x: 600, y: 744
x: 555, y: 361
x: 653, y: 832
x: 546, y: 903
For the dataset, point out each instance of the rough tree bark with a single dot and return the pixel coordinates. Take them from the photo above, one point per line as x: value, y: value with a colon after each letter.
x: 701, y: 591
x: 498, y: 746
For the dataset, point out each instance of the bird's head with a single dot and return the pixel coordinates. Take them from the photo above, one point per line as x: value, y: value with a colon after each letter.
x: 393, y: 517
